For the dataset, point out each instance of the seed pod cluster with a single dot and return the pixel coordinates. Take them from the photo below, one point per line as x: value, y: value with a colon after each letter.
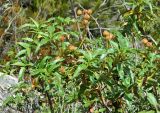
x: 79, y: 12
x: 86, y: 15
x: 146, y: 42
x: 108, y: 35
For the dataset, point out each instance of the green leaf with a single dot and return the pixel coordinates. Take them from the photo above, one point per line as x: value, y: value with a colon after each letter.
x: 128, y: 13
x: 44, y: 41
x: 87, y: 103
x: 79, y: 69
x: 149, y: 3
x: 44, y: 61
x: 53, y: 65
x: 28, y: 51
x: 27, y: 25
x: 36, y: 23
x: 21, y: 73
x: 51, y: 29
x: 151, y: 98
x: 92, y: 78
x: 151, y: 111
x: 28, y: 39
x: 50, y: 19
x: 44, y: 34
x: 123, y: 41
x: 73, y: 33
x: 87, y: 54
x: 98, y: 52
x: 127, y: 82
x: 120, y: 71
x: 109, y: 51
x: 23, y: 44
x: 37, y: 48
x: 19, y: 64
x: 114, y: 44
x: 102, y: 110
x: 22, y: 52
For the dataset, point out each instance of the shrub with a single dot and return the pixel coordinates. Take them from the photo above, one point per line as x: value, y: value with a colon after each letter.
x: 58, y: 72
x: 106, y: 59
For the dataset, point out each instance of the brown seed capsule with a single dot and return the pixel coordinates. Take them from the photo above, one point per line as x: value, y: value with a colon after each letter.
x: 91, y: 110
x: 33, y: 86
x: 108, y: 35
x: 105, y: 33
x: 79, y: 12
x: 149, y: 44
x: 62, y: 38
x: 112, y: 36
x: 85, y: 11
x: 144, y: 41
x: 86, y: 17
x: 58, y: 58
x: 72, y: 48
x: 85, y: 22
x: 62, y: 69
x: 108, y: 38
x: 89, y: 11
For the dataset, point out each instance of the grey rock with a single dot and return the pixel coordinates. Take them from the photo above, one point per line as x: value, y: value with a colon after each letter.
x: 6, y: 82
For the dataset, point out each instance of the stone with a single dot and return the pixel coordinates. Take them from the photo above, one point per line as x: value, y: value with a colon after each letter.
x: 6, y: 82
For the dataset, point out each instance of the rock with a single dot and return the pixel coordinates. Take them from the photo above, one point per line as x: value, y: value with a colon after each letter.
x: 6, y: 82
